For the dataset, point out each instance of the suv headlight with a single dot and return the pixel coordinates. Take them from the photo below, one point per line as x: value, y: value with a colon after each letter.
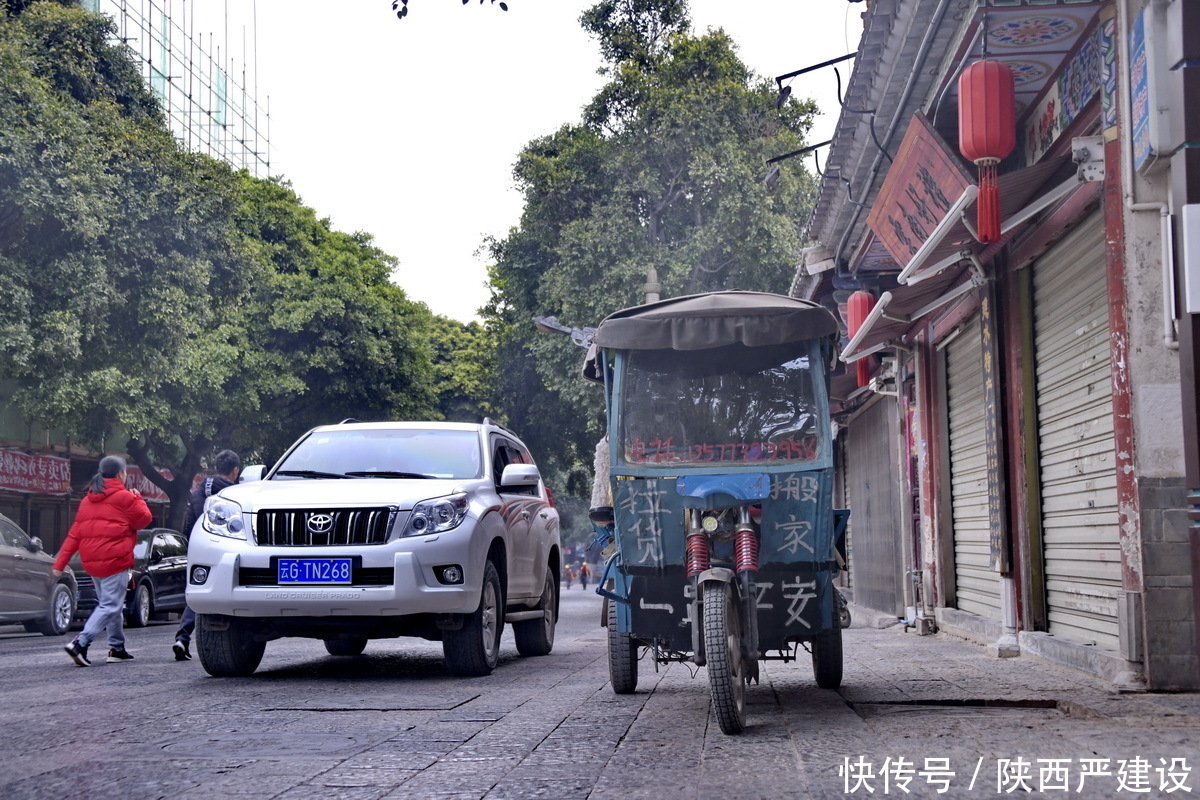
x: 437, y: 515
x: 223, y: 517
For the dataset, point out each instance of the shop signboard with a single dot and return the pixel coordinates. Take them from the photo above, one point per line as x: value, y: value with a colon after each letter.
x: 34, y: 474
x: 920, y: 187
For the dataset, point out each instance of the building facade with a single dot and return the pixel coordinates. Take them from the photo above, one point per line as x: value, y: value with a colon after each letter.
x: 1017, y: 454
x: 202, y: 72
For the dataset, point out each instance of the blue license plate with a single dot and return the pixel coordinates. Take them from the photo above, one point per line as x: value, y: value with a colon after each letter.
x: 314, y: 570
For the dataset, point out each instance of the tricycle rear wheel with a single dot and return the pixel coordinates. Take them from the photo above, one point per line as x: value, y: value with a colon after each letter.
x: 827, y: 657
x: 723, y: 651
x: 622, y: 655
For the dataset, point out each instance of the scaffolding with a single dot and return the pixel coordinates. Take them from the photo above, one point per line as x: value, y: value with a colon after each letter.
x: 208, y: 107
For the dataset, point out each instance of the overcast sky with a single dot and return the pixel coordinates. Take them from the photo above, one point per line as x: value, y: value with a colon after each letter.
x: 409, y: 129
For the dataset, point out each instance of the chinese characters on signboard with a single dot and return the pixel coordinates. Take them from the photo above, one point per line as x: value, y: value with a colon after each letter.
x: 921, y: 186
x: 1064, y: 100
x: 37, y: 474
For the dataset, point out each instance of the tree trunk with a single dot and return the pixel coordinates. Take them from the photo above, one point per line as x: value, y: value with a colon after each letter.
x: 178, y: 487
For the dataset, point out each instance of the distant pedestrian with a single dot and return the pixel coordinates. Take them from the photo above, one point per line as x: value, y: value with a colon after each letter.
x: 227, y: 466
x: 569, y: 574
x: 585, y: 572
x: 104, y: 534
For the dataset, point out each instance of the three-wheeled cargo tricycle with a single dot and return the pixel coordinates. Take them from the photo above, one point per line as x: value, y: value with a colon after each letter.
x: 721, y: 528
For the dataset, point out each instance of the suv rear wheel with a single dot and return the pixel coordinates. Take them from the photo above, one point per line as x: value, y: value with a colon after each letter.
x: 535, y: 637
x: 346, y: 647
x: 228, y: 646
x: 474, y: 649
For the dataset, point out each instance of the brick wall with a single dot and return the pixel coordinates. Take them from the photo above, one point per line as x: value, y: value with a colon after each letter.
x: 1170, y: 630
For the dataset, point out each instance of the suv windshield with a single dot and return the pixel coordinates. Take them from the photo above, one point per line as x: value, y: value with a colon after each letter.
x: 383, y: 453
x: 733, y: 406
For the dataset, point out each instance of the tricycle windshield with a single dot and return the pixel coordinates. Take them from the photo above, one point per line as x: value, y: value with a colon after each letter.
x: 724, y: 407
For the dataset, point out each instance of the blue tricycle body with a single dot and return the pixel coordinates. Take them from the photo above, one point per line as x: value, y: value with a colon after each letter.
x: 723, y: 532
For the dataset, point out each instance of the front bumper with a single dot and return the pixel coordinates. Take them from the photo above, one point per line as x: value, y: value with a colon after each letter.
x: 414, y: 587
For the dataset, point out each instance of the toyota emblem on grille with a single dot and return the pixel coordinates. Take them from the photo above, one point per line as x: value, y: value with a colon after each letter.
x: 320, y: 523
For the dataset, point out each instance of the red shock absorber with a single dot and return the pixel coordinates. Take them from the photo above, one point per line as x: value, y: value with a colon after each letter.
x: 697, y: 553
x: 745, y: 549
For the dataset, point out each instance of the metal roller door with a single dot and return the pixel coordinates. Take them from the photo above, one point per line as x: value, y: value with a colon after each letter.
x: 845, y: 501
x: 873, y: 485
x: 977, y: 586
x: 1075, y: 438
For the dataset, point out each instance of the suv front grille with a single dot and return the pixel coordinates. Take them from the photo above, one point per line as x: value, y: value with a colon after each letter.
x: 318, y: 527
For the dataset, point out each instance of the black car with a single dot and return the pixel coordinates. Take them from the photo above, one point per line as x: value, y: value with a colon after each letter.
x: 157, y: 581
x: 29, y: 592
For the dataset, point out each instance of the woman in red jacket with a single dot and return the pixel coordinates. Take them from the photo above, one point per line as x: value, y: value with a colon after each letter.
x: 104, y: 533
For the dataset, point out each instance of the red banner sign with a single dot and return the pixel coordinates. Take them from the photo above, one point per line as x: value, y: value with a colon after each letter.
x: 20, y: 472
x: 150, y: 492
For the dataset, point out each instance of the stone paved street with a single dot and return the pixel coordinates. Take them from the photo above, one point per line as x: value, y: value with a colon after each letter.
x: 392, y: 724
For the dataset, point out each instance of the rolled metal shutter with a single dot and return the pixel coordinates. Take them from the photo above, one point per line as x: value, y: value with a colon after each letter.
x: 977, y: 586
x: 847, y: 502
x: 1075, y: 438
x: 873, y: 474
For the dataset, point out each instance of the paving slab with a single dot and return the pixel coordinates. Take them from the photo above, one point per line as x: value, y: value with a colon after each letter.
x: 916, y: 716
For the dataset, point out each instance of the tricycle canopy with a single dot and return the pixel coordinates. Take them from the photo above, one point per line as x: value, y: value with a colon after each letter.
x: 721, y: 381
x: 717, y: 319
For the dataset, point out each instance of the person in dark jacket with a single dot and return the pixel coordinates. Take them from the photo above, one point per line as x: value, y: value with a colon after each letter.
x: 104, y: 534
x: 228, y: 466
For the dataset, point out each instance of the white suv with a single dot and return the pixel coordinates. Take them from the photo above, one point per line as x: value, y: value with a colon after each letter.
x: 376, y: 530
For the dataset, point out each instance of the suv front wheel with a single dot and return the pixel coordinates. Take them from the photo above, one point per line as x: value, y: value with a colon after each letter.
x: 228, y: 646
x: 474, y: 649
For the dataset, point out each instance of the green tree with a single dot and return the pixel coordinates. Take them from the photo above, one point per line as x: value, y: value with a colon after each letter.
x: 332, y: 336
x: 320, y: 335
x: 401, y: 6
x: 462, y: 369
x: 110, y: 235
x: 158, y: 293
x: 662, y: 179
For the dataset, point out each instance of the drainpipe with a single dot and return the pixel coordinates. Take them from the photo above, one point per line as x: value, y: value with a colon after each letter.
x: 922, y: 52
x: 1170, y: 336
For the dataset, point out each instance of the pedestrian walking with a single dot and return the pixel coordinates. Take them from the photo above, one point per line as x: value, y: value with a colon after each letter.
x: 569, y: 574
x: 104, y: 534
x: 585, y: 572
x: 227, y: 466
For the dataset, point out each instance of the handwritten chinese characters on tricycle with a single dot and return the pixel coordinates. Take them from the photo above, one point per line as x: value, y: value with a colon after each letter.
x: 721, y: 483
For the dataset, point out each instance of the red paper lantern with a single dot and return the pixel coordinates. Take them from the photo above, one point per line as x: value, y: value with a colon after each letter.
x: 987, y: 133
x: 858, y: 308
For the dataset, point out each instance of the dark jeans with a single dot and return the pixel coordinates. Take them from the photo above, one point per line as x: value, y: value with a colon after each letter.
x: 187, y: 624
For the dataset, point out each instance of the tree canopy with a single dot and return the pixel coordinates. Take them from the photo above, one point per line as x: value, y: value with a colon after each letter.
x: 161, y: 294
x: 663, y: 177
x: 158, y: 293
x: 401, y: 6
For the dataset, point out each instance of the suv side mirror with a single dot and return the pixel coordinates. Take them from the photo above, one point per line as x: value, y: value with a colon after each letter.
x: 253, y: 473
x: 519, y: 476
x: 35, y: 544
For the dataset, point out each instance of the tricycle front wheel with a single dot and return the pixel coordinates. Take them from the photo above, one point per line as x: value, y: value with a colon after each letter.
x: 723, y: 651
x: 622, y: 655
